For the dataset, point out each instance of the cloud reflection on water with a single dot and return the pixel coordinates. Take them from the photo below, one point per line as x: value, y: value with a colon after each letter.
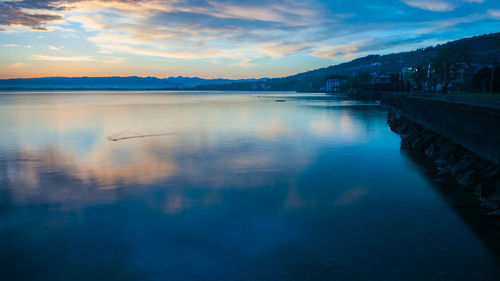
x: 320, y: 191
x: 63, y: 155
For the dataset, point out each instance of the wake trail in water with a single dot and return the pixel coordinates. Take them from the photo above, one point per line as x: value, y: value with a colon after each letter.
x: 130, y: 135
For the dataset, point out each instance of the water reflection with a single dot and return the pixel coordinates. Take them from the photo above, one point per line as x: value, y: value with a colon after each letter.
x: 67, y: 137
x: 228, y: 186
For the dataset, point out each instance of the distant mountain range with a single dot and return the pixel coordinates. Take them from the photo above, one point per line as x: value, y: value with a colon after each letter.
x: 116, y: 83
x: 485, y: 49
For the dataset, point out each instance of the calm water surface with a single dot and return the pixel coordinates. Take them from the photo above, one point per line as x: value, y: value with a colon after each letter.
x: 219, y: 186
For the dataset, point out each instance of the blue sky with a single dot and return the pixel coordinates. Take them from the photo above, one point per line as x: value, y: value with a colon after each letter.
x: 229, y: 39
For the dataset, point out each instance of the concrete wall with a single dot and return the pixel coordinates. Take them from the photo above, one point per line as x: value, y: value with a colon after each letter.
x: 475, y: 127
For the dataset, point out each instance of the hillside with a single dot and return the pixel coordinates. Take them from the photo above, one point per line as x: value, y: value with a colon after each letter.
x: 484, y: 49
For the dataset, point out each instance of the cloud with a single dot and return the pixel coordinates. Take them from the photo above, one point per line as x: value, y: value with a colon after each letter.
x: 57, y: 58
x: 35, y: 14
x: 494, y: 13
x: 198, y: 29
x: 345, y: 50
x: 246, y: 33
x: 13, y: 13
x: 246, y: 63
x: 16, y: 65
x: 108, y: 60
x: 54, y: 48
x: 432, y: 5
x: 438, y: 5
x: 180, y: 29
x: 113, y: 60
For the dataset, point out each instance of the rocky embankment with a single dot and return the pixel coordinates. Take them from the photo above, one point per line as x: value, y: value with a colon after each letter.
x: 469, y: 170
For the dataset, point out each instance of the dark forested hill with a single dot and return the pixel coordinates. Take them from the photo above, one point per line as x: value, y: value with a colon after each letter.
x: 484, y: 50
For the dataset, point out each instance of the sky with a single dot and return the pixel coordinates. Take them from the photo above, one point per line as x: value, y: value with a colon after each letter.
x: 222, y: 39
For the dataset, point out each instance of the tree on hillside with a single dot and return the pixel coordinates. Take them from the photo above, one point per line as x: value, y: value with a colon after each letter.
x: 449, y: 63
x: 360, y: 80
x: 482, y: 79
x: 407, y: 77
x: 422, y: 77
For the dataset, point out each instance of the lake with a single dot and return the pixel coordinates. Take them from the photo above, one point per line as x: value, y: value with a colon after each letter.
x: 219, y: 186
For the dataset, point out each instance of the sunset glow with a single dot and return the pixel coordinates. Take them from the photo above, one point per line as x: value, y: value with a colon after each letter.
x: 228, y: 39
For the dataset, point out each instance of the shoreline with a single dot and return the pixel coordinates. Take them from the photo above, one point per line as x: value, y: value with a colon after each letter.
x: 470, y: 171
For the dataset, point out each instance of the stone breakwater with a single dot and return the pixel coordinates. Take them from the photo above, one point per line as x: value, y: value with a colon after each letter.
x: 470, y: 171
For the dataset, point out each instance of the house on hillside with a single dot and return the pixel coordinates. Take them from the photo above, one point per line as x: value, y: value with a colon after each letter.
x: 377, y: 78
x: 408, y: 71
x: 334, y: 84
x: 383, y: 78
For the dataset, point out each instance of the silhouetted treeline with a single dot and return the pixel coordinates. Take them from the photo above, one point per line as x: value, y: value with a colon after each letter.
x: 487, y: 77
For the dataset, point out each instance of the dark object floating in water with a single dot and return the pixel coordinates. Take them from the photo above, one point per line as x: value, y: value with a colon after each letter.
x: 129, y: 135
x: 280, y: 100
